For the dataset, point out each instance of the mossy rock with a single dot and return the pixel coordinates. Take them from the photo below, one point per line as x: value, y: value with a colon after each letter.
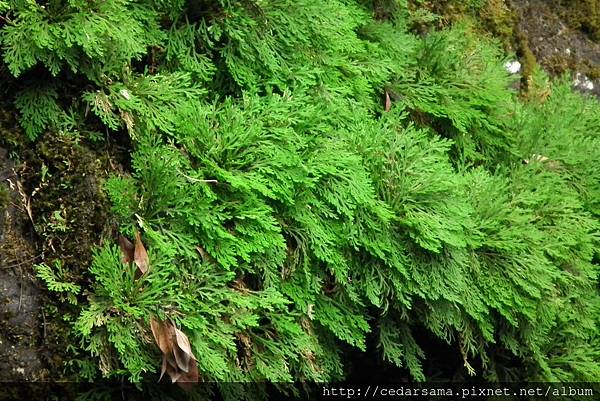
x: 503, y: 22
x: 4, y: 197
x: 583, y: 15
x: 62, y: 177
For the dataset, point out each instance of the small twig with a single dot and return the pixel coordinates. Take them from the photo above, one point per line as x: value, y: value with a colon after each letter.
x: 110, y: 161
x: 22, y: 262
x: 20, y: 290
x: 24, y: 198
x: 6, y: 20
x: 196, y: 179
x: 44, y: 320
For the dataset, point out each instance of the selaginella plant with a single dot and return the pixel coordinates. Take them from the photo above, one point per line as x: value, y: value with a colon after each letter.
x: 304, y: 174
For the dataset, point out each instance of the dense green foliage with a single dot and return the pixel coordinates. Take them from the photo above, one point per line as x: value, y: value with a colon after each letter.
x: 285, y: 211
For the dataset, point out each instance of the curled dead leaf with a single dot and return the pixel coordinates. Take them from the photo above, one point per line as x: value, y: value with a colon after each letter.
x: 388, y: 102
x: 163, y: 367
x: 183, y: 351
x: 172, y: 370
x: 186, y: 380
x: 163, y: 333
x: 549, y: 163
x: 127, y: 249
x: 311, y: 311
x: 203, y: 254
x: 140, y: 256
x: 535, y: 158
x: 170, y: 367
x: 178, y: 360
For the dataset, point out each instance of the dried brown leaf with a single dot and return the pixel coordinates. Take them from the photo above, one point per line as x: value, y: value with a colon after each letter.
x: 127, y: 249
x: 163, y: 367
x: 388, y: 102
x: 163, y: 335
x: 186, y: 380
x: 183, y: 351
x: 174, y: 373
x: 183, y: 359
x: 202, y: 253
x: 169, y: 365
x: 183, y: 343
x: 140, y: 255
x: 547, y: 162
x: 178, y: 359
x: 128, y: 120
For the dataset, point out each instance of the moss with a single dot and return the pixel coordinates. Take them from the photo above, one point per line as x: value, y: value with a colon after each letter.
x: 385, y: 9
x: 495, y: 18
x: 71, y: 216
x: 592, y: 71
x: 583, y: 15
x: 4, y: 198
x: 525, y: 54
x: 558, y: 64
x: 456, y: 9
x: 11, y: 134
x: 70, y: 209
x: 500, y: 20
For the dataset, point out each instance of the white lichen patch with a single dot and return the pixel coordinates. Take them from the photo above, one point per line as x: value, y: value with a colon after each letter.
x: 583, y: 82
x: 513, y: 67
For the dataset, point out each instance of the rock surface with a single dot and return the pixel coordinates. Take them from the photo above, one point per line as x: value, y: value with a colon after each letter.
x: 557, y: 47
x: 21, y: 331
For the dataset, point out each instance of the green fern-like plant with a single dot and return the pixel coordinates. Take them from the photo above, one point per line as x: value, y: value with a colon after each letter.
x: 308, y: 176
x: 55, y: 278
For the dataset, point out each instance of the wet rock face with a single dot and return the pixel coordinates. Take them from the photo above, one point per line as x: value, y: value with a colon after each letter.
x: 19, y: 336
x: 20, y: 339
x: 52, y: 208
x: 557, y: 46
